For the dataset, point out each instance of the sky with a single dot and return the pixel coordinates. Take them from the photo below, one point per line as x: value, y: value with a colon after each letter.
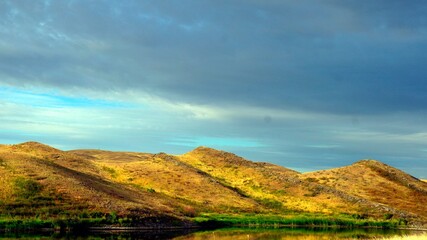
x: 304, y: 84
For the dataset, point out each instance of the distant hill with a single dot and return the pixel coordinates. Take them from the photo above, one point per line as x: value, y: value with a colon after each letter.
x: 377, y: 182
x: 38, y: 180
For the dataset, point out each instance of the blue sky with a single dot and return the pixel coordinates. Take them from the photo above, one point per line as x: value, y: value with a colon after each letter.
x: 305, y: 84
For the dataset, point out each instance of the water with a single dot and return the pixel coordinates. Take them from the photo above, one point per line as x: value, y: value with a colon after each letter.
x: 221, y: 234
x: 292, y: 234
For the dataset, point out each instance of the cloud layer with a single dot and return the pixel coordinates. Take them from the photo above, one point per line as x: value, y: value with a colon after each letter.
x: 304, y: 84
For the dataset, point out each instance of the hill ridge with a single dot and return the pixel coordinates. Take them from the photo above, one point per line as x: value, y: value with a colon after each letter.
x: 203, y: 180
x: 393, y: 174
x: 33, y: 145
x: 377, y: 182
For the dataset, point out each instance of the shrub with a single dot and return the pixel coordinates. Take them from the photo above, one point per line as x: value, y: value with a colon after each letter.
x: 270, y: 203
x: 26, y: 188
x: 113, y: 173
x: 189, y: 211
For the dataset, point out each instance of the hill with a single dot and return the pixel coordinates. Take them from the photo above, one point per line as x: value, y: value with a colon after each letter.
x: 128, y: 188
x: 277, y: 187
x: 377, y: 182
x: 43, y: 181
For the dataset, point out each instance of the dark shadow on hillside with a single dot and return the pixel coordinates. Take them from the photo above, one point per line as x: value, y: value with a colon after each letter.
x: 89, y: 181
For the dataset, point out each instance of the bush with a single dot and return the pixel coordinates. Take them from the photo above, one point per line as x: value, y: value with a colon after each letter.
x: 189, y: 211
x: 270, y: 203
x: 113, y: 173
x: 27, y: 188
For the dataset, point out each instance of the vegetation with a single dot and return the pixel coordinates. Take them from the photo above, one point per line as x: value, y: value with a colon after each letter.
x: 62, y: 223
x: 27, y: 188
x: 275, y: 221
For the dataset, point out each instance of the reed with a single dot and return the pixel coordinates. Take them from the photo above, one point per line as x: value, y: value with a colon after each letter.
x: 275, y: 221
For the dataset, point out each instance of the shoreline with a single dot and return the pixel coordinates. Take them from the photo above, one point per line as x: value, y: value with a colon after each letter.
x: 109, y: 228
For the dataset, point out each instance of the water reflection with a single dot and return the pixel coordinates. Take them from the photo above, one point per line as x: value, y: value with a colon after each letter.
x: 221, y: 234
x: 110, y: 235
x: 291, y: 234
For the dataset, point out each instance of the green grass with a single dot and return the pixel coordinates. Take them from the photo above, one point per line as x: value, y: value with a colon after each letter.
x: 85, y: 219
x: 276, y: 221
x: 34, y: 224
x: 61, y: 222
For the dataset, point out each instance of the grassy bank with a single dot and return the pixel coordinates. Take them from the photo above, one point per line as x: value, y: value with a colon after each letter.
x: 274, y: 221
x: 105, y: 221
x: 203, y: 221
x: 34, y: 224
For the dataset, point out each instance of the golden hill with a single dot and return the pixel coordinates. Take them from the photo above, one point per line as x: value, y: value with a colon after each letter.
x: 166, y: 175
x: 377, y: 182
x: 274, y: 186
x: 32, y: 171
x: 283, y: 188
x: 37, y: 179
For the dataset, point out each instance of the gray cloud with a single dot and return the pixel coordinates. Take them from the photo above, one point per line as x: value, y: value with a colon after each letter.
x: 328, y: 56
x: 328, y: 62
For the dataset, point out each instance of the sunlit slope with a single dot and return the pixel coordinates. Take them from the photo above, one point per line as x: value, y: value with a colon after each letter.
x: 377, y: 182
x: 166, y: 174
x: 36, y: 176
x: 276, y: 187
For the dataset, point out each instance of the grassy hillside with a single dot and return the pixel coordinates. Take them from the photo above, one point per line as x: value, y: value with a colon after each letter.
x: 126, y: 188
x: 67, y: 176
x: 275, y: 187
x: 166, y: 175
x: 377, y: 182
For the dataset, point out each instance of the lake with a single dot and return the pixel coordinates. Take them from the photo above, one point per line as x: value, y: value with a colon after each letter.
x: 221, y: 234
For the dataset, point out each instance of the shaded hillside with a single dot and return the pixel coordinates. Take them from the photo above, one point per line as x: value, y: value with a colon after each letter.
x: 377, y: 182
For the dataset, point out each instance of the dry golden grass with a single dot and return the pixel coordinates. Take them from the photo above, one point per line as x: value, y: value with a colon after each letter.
x: 377, y: 182
x: 165, y: 174
x: 75, y: 178
x: 263, y: 181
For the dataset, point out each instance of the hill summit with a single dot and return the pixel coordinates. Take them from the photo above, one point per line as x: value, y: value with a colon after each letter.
x: 377, y: 182
x: 45, y: 182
